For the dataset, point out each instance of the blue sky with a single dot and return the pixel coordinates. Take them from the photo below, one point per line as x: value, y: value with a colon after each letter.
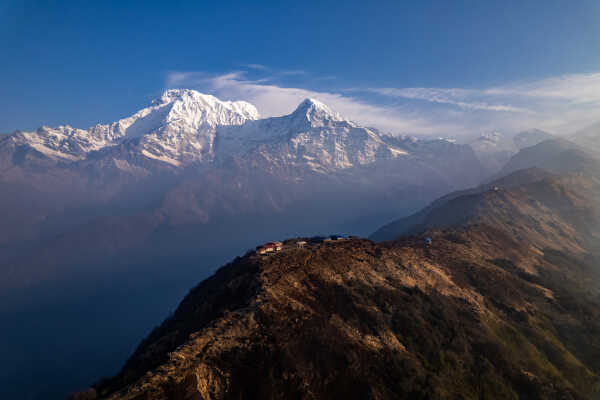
x: 447, y: 67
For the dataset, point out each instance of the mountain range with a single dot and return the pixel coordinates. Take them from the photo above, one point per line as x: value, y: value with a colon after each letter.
x: 185, y: 127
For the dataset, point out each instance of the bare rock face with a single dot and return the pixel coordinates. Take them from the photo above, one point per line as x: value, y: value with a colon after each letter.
x: 495, y: 307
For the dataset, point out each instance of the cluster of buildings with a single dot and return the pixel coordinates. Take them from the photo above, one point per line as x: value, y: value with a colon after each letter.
x: 272, y: 247
x: 269, y: 247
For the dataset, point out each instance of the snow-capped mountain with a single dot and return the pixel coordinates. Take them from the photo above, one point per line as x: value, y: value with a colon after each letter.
x: 313, y: 136
x: 178, y: 127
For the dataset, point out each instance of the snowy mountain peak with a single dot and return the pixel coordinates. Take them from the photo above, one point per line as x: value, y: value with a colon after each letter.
x: 171, y: 95
x: 312, y: 104
x: 316, y: 113
x: 180, y: 126
x: 206, y: 105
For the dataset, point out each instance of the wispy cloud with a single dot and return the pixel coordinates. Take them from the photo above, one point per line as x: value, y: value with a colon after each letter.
x: 562, y: 104
x: 258, y: 67
x: 559, y: 104
x: 575, y: 88
x: 293, y: 72
x: 457, y: 97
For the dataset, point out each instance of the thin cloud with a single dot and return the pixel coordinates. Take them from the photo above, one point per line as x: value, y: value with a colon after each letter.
x: 563, y: 104
x: 258, y: 67
x: 293, y: 72
x: 577, y: 88
x: 454, y: 96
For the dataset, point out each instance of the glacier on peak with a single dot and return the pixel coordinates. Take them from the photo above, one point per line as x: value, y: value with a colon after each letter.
x: 315, y: 112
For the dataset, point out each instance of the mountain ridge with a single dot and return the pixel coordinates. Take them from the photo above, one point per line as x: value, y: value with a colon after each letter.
x: 548, y: 160
x: 491, y: 308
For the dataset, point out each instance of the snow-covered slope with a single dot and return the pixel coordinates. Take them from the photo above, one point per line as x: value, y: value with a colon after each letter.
x: 64, y: 142
x: 187, y: 130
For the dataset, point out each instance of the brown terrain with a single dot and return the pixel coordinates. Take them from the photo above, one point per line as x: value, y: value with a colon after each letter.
x: 504, y: 304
